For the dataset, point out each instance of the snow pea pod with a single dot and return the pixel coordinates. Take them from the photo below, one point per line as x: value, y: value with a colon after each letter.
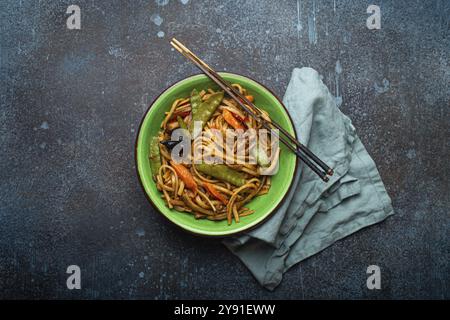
x: 205, y: 110
x: 222, y: 172
x: 154, y: 156
x: 196, y: 100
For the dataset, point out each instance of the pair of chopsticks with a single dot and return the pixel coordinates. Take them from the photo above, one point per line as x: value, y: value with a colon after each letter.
x: 300, y: 150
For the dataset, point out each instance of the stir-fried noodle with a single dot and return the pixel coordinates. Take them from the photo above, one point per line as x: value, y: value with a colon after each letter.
x: 209, y: 191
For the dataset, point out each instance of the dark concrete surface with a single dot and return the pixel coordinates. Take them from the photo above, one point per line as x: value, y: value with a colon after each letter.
x: 72, y: 100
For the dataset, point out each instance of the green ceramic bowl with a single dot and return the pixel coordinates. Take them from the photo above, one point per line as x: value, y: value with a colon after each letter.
x: 263, y: 205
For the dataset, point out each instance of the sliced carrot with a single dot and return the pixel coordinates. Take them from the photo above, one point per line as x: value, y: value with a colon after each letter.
x: 216, y: 194
x: 249, y: 98
x: 185, y: 175
x: 231, y: 120
x: 245, y: 119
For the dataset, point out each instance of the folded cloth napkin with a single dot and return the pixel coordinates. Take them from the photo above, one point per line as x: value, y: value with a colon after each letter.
x: 316, y: 214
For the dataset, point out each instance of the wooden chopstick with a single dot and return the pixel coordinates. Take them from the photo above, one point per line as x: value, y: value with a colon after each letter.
x: 191, y: 56
x: 236, y: 95
x: 302, y: 157
x: 323, y: 170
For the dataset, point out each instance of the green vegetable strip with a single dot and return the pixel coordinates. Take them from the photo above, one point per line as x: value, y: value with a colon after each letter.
x: 155, y: 157
x: 181, y: 123
x: 222, y: 172
x: 205, y: 110
x: 196, y: 100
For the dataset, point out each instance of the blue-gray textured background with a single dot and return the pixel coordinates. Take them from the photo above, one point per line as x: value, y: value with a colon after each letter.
x: 71, y: 102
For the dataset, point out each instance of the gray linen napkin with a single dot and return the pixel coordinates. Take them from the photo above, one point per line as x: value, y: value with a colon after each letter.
x: 316, y: 214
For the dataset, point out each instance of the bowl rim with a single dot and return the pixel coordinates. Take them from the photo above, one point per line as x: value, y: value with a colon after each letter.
x: 181, y: 226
